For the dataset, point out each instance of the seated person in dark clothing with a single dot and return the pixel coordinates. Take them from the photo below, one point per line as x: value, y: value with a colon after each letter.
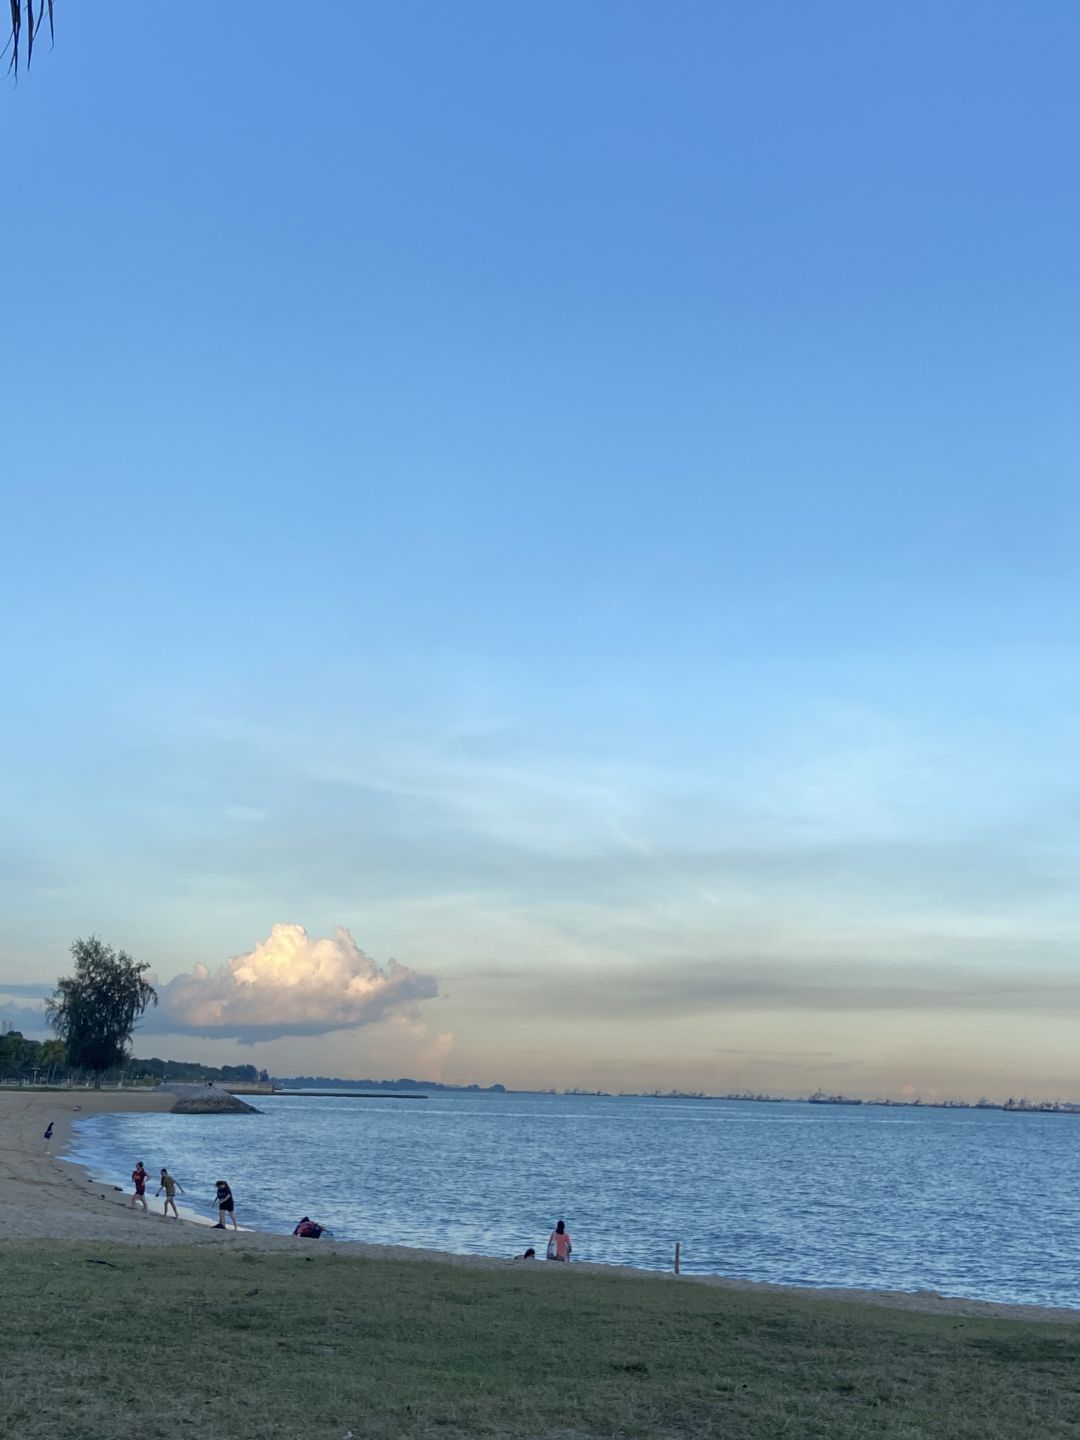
x: 308, y: 1229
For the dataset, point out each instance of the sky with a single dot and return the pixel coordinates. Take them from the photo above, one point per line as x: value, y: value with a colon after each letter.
x: 540, y: 541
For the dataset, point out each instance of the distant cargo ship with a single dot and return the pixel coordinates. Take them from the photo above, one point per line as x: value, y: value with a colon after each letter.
x: 820, y: 1098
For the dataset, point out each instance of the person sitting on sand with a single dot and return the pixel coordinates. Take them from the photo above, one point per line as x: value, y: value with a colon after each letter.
x: 224, y: 1202
x: 308, y: 1229
x: 170, y: 1186
x: 559, y: 1246
x: 530, y: 1254
x: 140, y: 1176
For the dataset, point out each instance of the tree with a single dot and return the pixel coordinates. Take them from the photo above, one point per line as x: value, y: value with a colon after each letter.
x: 53, y: 1058
x: 94, y: 1011
x: 23, y: 18
x: 14, y: 1049
x: 246, y: 1073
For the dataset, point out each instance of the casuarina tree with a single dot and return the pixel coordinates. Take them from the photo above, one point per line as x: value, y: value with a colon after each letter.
x: 25, y: 26
x: 94, y: 1011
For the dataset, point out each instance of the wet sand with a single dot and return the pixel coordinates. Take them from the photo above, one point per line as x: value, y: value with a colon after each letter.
x: 43, y: 1197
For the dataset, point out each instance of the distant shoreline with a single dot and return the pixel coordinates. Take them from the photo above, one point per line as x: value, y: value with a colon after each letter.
x: 388, y: 1091
x: 414, y: 1090
x: 1009, y: 1107
x: 351, y: 1094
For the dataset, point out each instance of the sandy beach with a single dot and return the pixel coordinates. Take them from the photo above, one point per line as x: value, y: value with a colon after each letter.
x: 44, y: 1196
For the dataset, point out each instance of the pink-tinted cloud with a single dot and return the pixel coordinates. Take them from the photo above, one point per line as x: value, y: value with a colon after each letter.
x: 289, y: 984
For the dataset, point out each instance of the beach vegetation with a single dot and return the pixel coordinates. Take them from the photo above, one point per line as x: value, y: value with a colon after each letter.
x: 276, y: 1346
x: 27, y: 1061
x: 94, y: 1011
x: 25, y: 29
x: 23, y: 1059
x: 191, y: 1072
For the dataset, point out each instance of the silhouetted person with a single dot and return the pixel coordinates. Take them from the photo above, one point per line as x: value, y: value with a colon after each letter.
x: 225, y: 1204
x: 139, y: 1177
x: 170, y: 1186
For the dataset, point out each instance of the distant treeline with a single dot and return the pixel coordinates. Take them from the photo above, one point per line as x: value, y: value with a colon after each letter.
x: 46, y: 1062
x: 190, y: 1071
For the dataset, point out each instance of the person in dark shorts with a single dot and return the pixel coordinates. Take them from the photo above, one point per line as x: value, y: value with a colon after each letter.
x: 139, y: 1177
x: 224, y: 1202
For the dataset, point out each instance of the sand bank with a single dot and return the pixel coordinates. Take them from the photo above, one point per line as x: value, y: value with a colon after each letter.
x: 43, y: 1196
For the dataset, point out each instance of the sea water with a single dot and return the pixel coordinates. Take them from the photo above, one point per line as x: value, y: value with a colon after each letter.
x: 980, y: 1203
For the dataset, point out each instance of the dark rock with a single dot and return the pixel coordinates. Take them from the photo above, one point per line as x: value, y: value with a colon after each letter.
x: 208, y: 1100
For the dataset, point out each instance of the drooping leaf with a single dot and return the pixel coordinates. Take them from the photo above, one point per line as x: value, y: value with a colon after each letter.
x: 22, y: 14
x: 16, y: 31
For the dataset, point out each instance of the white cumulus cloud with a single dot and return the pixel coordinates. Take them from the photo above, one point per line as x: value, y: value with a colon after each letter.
x: 290, y: 984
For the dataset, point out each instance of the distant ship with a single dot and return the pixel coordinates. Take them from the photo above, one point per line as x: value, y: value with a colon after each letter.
x: 820, y: 1098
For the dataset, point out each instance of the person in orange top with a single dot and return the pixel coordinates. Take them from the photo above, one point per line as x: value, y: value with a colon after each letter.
x: 559, y: 1246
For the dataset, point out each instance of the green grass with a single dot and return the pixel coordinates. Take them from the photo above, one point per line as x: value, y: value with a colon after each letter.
x: 234, y: 1346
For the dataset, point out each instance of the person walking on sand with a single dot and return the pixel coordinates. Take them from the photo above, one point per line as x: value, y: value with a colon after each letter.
x: 170, y: 1186
x: 48, y: 1136
x: 140, y: 1176
x: 559, y: 1246
x: 224, y: 1202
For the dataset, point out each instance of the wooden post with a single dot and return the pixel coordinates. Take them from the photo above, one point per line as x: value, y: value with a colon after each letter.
x: 678, y: 1247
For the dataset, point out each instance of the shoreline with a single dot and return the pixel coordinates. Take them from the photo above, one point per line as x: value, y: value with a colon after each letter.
x: 48, y: 1197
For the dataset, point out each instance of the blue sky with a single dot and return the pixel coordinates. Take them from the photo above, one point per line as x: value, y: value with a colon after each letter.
x: 581, y: 498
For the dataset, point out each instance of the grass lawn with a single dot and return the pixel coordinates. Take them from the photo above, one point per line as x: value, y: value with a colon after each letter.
x: 226, y: 1346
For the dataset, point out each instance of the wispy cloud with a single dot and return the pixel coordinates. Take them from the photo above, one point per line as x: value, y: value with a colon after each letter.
x: 762, y: 982
x: 684, y: 986
x: 793, y: 1055
x: 245, y: 814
